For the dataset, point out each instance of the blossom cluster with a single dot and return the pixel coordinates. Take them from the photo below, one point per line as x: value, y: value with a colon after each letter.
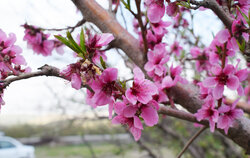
x: 11, y: 60
x: 39, y: 42
x: 138, y: 103
x: 214, y: 60
x: 220, y: 74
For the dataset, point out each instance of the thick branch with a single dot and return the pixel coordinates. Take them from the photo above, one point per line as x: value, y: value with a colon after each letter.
x: 94, y: 13
x: 187, y: 95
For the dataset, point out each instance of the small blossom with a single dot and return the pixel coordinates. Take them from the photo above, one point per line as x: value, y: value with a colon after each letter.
x: 222, y: 77
x: 37, y: 40
x: 104, y: 87
x: 227, y: 115
x: 209, y: 113
x: 176, y: 48
x: 94, y: 43
x: 127, y: 115
x: 142, y: 89
x: 156, y: 10
x: 156, y: 60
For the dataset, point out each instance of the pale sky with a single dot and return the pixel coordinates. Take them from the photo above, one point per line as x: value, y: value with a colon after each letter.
x: 33, y: 96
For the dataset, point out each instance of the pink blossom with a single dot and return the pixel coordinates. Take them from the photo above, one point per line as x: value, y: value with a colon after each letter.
x: 152, y: 39
x: 205, y: 92
x: 227, y: 115
x: 104, y: 87
x: 142, y: 89
x: 59, y: 47
x: 11, y: 59
x: 149, y: 114
x: 209, y: 113
x: 156, y: 10
x: 242, y: 76
x: 217, y: 46
x: 222, y: 77
x: 37, y: 40
x: 173, y: 77
x: 94, y: 43
x: 73, y: 73
x: 160, y: 27
x: 172, y: 9
x: 127, y: 115
x: 239, y: 28
x: 156, y: 60
x: 176, y: 48
x: 244, y: 6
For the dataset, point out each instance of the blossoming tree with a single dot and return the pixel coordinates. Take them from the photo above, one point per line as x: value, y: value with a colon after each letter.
x: 158, y: 85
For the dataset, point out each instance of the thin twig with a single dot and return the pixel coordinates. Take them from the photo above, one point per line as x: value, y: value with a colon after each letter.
x: 190, y: 141
x: 71, y: 28
x: 143, y: 31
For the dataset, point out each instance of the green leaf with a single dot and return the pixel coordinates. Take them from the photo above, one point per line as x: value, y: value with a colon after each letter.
x: 125, y: 4
x: 184, y: 4
x: 128, y: 4
x: 74, y: 44
x: 82, y: 41
x: 242, y: 45
x: 123, y: 84
x: 66, y: 42
x: 103, y: 63
x: 244, y: 15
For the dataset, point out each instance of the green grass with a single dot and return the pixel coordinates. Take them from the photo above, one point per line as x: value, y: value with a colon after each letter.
x: 80, y: 151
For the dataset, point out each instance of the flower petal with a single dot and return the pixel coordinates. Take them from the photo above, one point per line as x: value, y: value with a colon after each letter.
x: 150, y: 116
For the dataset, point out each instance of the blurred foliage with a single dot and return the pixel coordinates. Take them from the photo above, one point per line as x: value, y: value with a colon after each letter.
x: 208, y: 144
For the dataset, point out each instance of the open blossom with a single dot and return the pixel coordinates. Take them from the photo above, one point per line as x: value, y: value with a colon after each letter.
x: 126, y: 115
x: 222, y: 37
x: 142, y: 89
x: 152, y: 39
x: 160, y: 27
x: 95, y: 42
x: 37, y: 40
x: 11, y: 60
x: 227, y: 115
x: 104, y: 87
x: 172, y: 9
x: 176, y: 48
x: 222, y: 77
x: 156, y: 10
x: 208, y: 112
x: 173, y: 77
x: 239, y: 29
x: 244, y: 6
x: 73, y: 73
x: 156, y: 60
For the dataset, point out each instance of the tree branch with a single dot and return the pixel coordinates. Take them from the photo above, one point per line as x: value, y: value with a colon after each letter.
x: 190, y: 141
x: 143, y: 31
x: 185, y: 95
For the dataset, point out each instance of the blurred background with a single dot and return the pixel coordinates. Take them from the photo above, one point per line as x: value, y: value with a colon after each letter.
x: 47, y: 113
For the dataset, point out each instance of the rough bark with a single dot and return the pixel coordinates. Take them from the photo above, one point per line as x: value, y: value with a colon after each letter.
x: 187, y: 96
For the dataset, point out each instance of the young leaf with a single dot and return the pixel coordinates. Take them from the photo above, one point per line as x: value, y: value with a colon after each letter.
x: 103, y: 63
x: 66, y: 42
x: 74, y: 44
x: 82, y: 41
